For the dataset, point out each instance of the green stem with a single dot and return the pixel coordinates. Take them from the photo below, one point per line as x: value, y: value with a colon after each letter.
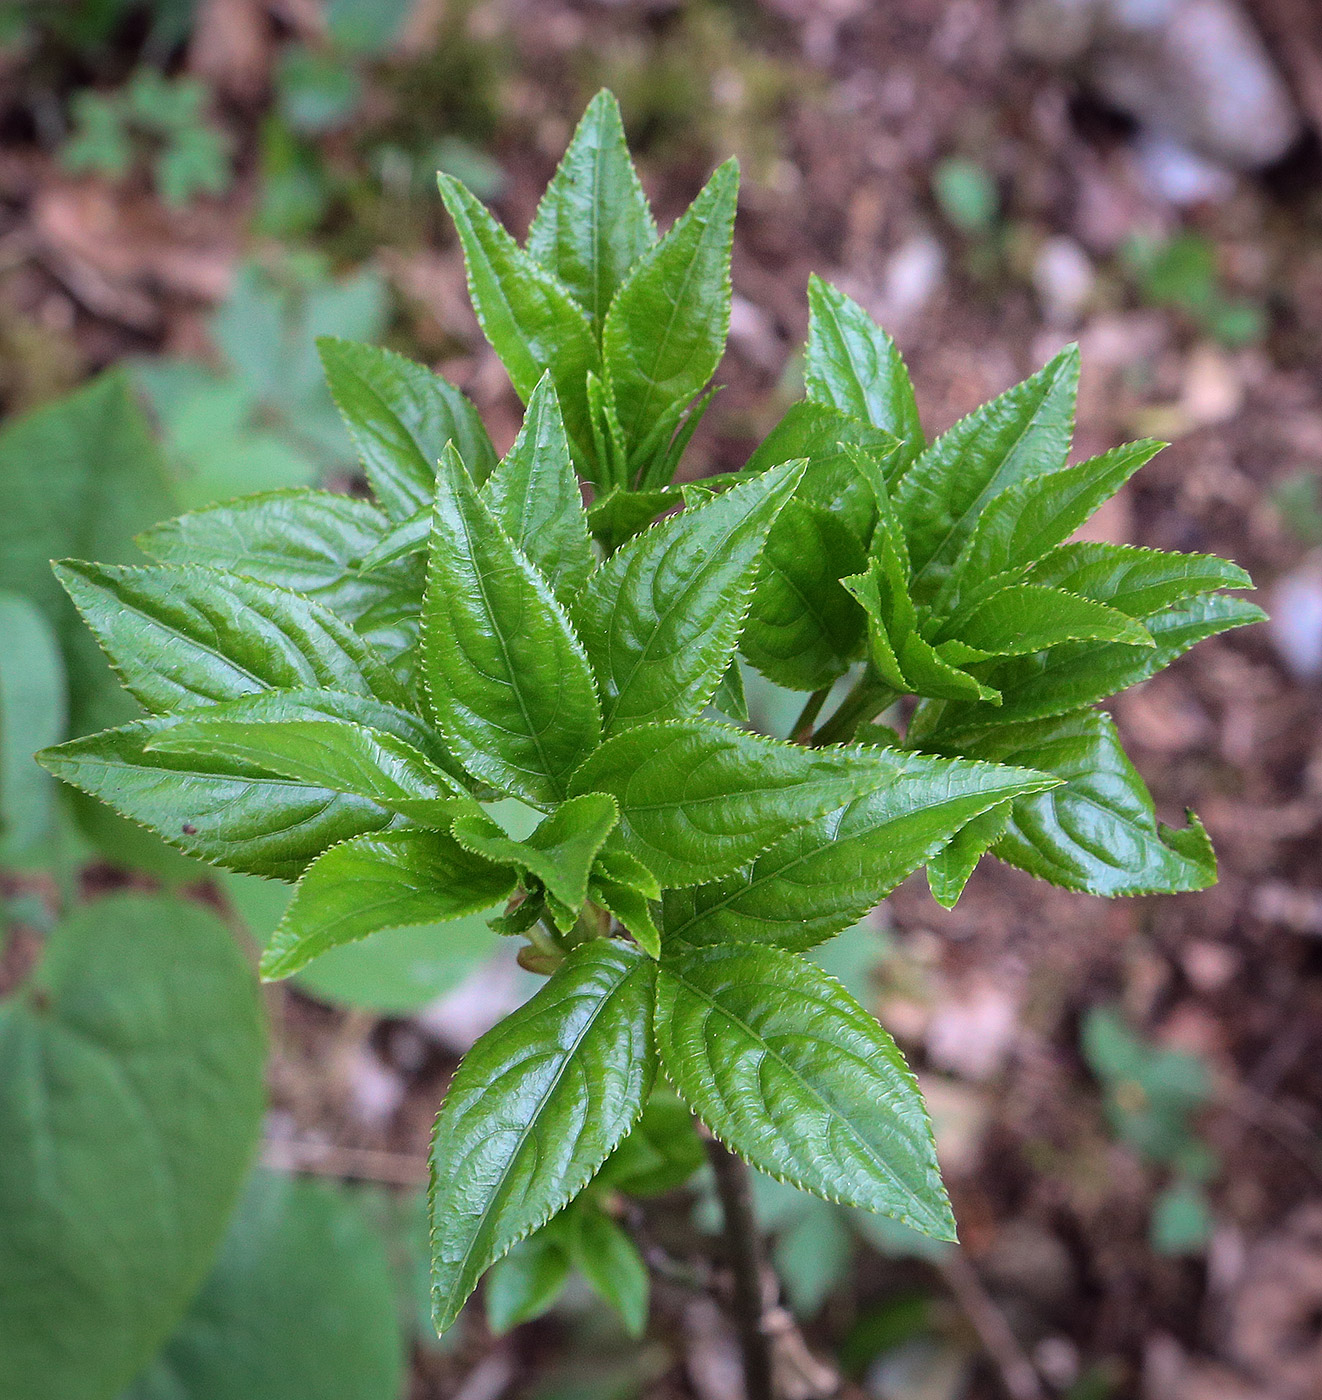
x: 865, y: 701
x: 802, y: 730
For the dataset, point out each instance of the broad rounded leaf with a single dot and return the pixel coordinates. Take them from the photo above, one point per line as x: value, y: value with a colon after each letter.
x: 32, y: 714
x: 535, y: 1108
x: 130, y: 1100
x: 786, y: 1068
x: 299, y: 1306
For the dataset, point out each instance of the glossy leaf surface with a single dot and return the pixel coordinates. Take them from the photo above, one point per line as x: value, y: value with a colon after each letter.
x: 593, y: 222
x: 534, y: 496
x: 381, y: 881
x: 1026, y: 617
x: 852, y: 364
x: 665, y: 331
x: 535, y: 1108
x: 660, y: 618
x: 786, y: 1068
x: 1098, y: 831
x: 401, y: 415
x: 949, y: 869
x: 1135, y: 581
x: 824, y: 877
x: 509, y: 683
x: 179, y: 635
x: 697, y: 799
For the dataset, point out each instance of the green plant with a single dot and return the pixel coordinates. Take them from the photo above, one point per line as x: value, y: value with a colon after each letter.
x: 1182, y: 272
x: 338, y: 693
x: 155, y: 121
x: 1153, y: 1096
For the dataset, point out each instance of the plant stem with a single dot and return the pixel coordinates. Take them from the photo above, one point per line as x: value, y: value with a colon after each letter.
x: 864, y: 702
x: 802, y: 730
x: 744, y: 1246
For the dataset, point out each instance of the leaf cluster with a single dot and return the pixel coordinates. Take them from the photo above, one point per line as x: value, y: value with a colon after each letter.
x: 338, y: 691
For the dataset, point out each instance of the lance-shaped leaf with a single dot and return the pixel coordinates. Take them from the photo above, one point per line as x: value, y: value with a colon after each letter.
x: 1079, y: 673
x: 535, y: 1108
x: 1025, y: 432
x: 697, y: 799
x: 729, y: 698
x: 559, y: 853
x: 329, y: 753
x: 902, y: 657
x: 1027, y: 617
x: 824, y: 435
x: 228, y: 813
x: 949, y: 869
x: 665, y: 331
x: 179, y: 635
x: 531, y: 321
x: 130, y: 1101
x: 786, y: 1068
x: 803, y: 628
x: 620, y: 514
x: 824, y: 877
x: 509, y: 683
x: 1098, y: 831
x: 593, y: 222
x: 528, y: 1281
x: 1030, y: 518
x: 660, y: 618
x: 611, y: 1263
x: 309, y: 541
x: 1138, y: 582
x: 631, y: 908
x: 395, y: 879
x: 534, y: 495
x: 852, y: 364
x: 401, y: 415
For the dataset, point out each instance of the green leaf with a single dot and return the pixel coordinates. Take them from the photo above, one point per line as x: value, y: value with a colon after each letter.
x: 528, y: 316
x: 561, y: 851
x: 534, y: 496
x: 1023, y: 433
x: 824, y: 435
x: 852, y: 364
x: 729, y: 698
x: 510, y: 685
x: 620, y: 514
x: 824, y: 877
x: 528, y: 1281
x: 1030, y: 518
x: 1138, y: 582
x: 1025, y: 617
x: 313, y: 542
x: 698, y: 799
x: 32, y: 714
x: 661, y: 617
x: 82, y: 474
x: 179, y: 635
x: 661, y: 1152
x: 665, y: 331
x: 788, y: 1070
x: 1097, y: 832
x: 593, y: 222
x: 401, y: 415
x: 535, y: 1108
x: 949, y: 869
x: 380, y: 881
x: 804, y: 629
x: 328, y: 753
x: 299, y: 1306
x: 391, y: 976
x: 903, y: 658
x: 228, y: 813
x: 130, y: 1101
x: 631, y: 907
x: 1068, y: 677
x: 610, y: 1262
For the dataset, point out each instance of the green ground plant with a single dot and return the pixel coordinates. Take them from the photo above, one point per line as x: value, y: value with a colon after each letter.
x: 346, y: 696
